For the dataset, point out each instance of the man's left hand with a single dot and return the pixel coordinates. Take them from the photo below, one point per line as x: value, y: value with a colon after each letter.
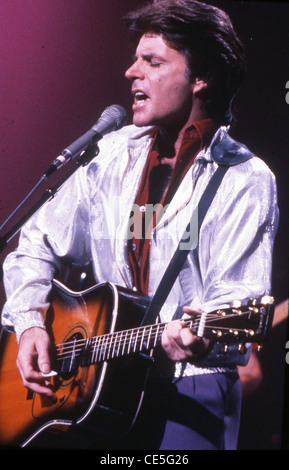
x: 179, y: 343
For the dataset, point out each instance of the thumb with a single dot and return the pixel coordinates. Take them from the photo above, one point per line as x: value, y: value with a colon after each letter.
x: 42, y: 347
x: 192, y: 310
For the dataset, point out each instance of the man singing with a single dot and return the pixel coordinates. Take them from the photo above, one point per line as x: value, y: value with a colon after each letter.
x: 186, y: 71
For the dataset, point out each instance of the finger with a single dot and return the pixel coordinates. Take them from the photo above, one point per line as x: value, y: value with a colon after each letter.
x: 187, y: 338
x: 180, y: 343
x: 43, y: 358
x: 34, y: 356
x: 34, y: 380
x: 172, y: 341
x: 172, y: 331
x: 193, y: 310
x: 33, y: 360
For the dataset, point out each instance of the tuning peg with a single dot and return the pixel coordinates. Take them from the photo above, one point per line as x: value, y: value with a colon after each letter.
x: 242, y: 349
x: 236, y: 304
x: 267, y: 300
x: 249, y: 333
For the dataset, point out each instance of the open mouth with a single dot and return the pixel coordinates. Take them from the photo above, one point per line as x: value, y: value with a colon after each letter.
x: 139, y: 97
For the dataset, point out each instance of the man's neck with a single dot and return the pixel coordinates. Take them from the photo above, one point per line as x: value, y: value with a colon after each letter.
x: 173, y: 137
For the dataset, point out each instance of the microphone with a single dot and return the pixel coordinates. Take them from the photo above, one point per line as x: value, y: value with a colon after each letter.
x: 112, y: 119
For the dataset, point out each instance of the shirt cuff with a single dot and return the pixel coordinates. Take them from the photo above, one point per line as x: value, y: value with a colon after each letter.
x: 28, y: 320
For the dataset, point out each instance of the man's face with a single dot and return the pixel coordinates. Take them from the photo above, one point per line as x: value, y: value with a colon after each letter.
x: 163, y: 96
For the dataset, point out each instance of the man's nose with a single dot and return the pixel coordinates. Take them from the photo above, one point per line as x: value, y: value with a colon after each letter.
x: 134, y: 71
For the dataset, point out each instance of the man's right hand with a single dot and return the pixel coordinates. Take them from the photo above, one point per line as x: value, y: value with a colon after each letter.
x: 33, y: 360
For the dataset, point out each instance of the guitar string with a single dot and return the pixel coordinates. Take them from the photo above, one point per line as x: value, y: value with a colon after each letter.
x: 101, y: 352
x: 134, y: 330
x: 120, y: 338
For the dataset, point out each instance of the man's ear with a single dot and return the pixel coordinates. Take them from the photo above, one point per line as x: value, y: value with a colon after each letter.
x: 199, y: 87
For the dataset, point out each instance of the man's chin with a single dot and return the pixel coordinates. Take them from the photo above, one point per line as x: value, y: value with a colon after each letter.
x: 140, y: 125
x: 139, y: 122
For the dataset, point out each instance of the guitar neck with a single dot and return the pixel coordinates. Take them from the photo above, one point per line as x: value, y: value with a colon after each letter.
x: 127, y: 342
x: 102, y: 348
x: 242, y: 324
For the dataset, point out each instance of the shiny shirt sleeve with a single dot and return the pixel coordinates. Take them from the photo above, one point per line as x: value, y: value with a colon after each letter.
x: 236, y: 253
x: 236, y: 247
x: 45, y: 243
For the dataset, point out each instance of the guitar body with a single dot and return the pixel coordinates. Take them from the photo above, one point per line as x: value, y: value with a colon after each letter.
x: 101, y: 358
x: 109, y: 391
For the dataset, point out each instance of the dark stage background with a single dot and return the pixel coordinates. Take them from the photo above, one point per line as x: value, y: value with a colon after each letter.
x: 63, y: 62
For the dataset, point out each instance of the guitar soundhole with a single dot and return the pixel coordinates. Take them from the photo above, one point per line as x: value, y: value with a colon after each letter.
x: 70, y: 357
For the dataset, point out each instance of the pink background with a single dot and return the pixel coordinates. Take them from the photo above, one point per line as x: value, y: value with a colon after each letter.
x: 62, y: 64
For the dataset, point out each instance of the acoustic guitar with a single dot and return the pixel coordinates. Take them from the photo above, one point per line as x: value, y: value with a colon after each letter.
x: 101, y: 359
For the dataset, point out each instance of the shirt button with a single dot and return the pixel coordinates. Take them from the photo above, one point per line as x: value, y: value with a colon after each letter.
x: 133, y: 246
x: 142, y: 208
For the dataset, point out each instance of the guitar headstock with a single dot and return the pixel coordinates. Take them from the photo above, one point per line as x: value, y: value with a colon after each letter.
x: 241, y: 323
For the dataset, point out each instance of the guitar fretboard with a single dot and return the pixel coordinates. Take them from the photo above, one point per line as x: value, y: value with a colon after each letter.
x: 102, y: 348
x: 230, y: 325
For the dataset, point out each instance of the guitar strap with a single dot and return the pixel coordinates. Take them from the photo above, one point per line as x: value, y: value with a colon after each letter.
x: 226, y: 153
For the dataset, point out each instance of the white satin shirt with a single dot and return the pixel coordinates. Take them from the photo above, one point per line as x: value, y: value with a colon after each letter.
x: 90, y: 219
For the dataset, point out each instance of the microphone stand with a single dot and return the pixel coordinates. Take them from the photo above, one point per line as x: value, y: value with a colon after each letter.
x: 85, y: 157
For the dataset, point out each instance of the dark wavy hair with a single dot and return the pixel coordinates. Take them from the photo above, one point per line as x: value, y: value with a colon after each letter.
x: 209, y: 42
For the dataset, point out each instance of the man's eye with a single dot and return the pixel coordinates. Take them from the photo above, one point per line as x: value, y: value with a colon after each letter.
x: 155, y: 64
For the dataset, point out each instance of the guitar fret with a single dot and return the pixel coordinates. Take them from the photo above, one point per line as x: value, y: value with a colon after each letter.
x: 124, y: 343
x: 142, y: 339
x: 130, y: 341
x: 107, y: 346
x: 110, y: 350
x: 95, y: 349
x: 115, y: 342
x: 112, y: 345
x: 92, y: 349
x: 102, y: 349
x: 118, y: 336
x: 99, y: 346
x: 118, y: 343
x: 135, y: 341
x: 105, y: 351
x: 98, y: 355
x: 157, y: 335
x: 149, y: 336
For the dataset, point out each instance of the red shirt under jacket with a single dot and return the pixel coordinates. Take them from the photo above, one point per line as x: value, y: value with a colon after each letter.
x: 158, y: 185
